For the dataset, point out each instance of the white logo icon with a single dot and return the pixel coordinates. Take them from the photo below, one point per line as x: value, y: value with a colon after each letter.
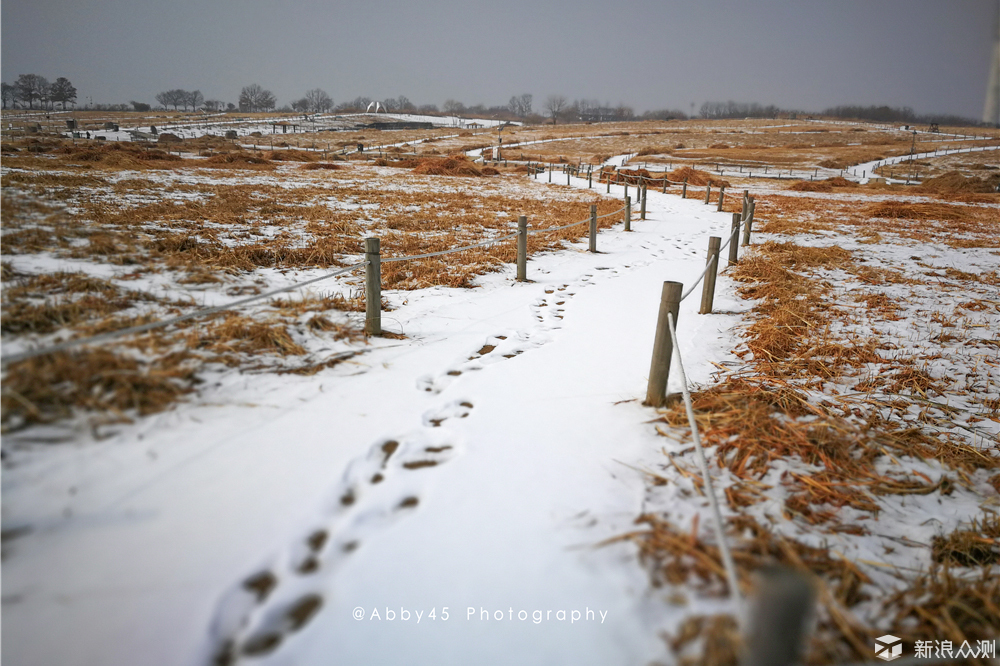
x: 888, y: 647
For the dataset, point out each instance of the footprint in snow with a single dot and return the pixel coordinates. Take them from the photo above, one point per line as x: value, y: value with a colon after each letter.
x: 267, y: 608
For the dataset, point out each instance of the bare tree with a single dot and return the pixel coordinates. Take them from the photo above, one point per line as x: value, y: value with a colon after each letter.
x: 555, y: 104
x: 520, y: 105
x: 453, y: 107
x: 301, y: 105
x: 318, y: 101
x: 254, y: 98
x: 62, y: 91
x: 174, y: 98
x: 194, y: 98
x: 30, y: 87
x: 213, y: 105
x: 9, y: 94
x: 404, y: 104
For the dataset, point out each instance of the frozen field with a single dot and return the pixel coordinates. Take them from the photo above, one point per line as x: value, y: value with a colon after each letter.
x: 484, y: 484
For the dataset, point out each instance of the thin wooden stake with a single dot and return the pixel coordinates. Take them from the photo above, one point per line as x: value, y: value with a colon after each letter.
x: 373, y: 287
x: 708, y: 288
x: 522, y: 248
x: 593, y: 227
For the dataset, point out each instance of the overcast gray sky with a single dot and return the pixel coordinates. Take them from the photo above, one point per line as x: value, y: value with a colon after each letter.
x: 931, y: 55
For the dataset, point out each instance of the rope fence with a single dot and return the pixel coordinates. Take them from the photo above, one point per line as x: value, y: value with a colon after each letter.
x: 204, y: 312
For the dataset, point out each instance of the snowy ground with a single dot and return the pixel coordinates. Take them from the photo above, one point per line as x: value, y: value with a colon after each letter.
x: 508, y: 465
x: 472, y: 465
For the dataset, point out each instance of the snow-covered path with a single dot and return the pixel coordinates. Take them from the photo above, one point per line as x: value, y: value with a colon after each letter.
x: 469, y: 466
x: 867, y: 168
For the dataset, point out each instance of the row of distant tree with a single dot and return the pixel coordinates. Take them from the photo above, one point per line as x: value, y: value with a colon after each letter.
x: 875, y: 113
x: 30, y: 89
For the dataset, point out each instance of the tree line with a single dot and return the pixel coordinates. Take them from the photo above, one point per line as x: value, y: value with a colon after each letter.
x: 31, y: 88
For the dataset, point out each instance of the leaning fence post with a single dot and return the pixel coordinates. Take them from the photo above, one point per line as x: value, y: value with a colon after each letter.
x: 642, y: 206
x: 708, y: 192
x: 664, y: 182
x: 734, y: 238
x: 708, y: 288
x: 628, y: 213
x: 590, y: 179
x: 373, y: 287
x: 722, y: 195
x: 663, y: 345
x: 780, y: 612
x: 684, y: 190
x: 522, y: 248
x: 593, y: 227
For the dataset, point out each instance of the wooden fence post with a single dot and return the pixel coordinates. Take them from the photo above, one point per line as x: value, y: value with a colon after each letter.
x: 628, y: 213
x: 722, y: 195
x: 779, y: 615
x: 590, y: 179
x: 642, y: 206
x: 684, y: 190
x: 748, y: 221
x: 522, y: 248
x: 567, y: 176
x: 708, y: 192
x: 708, y: 288
x: 664, y: 182
x: 626, y: 188
x: 550, y: 173
x: 373, y: 287
x: 593, y: 227
x: 608, y: 191
x: 734, y: 240
x: 663, y: 345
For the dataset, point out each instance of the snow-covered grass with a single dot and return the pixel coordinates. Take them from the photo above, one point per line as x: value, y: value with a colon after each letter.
x: 859, y: 437
x: 848, y: 391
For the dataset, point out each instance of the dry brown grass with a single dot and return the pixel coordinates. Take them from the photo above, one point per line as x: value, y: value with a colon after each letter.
x: 954, y: 182
x: 918, y: 211
x: 52, y: 387
x: 826, y: 185
x: 775, y: 410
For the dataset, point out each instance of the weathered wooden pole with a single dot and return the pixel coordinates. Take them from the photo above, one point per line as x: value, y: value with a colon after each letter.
x: 722, y: 195
x: 708, y: 288
x: 590, y: 179
x: 664, y: 182
x: 684, y: 190
x: 734, y: 240
x: 642, y: 206
x: 708, y: 192
x: 373, y: 287
x: 522, y: 248
x: 779, y: 617
x: 663, y: 345
x: 550, y: 173
x: 593, y: 227
x: 628, y: 213
x: 748, y: 221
